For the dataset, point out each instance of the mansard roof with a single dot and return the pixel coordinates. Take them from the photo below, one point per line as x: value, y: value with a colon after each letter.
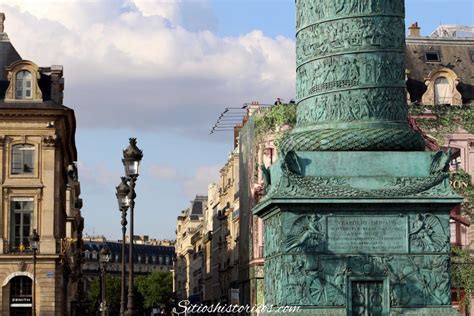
x: 456, y: 54
x: 8, y: 54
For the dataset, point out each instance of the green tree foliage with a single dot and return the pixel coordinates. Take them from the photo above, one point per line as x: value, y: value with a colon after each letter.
x: 462, y: 273
x: 447, y: 119
x: 155, y: 288
x: 112, y: 294
x: 268, y: 120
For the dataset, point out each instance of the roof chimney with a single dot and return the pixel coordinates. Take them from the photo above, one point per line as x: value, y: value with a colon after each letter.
x: 414, y: 30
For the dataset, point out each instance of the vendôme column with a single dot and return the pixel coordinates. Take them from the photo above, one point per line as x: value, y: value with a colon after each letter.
x: 356, y: 213
x: 351, y: 77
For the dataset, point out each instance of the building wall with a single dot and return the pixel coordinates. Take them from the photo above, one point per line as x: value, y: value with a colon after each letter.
x: 55, y: 214
x: 188, y: 223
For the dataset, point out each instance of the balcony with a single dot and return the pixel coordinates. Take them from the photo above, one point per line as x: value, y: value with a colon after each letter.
x: 14, y: 249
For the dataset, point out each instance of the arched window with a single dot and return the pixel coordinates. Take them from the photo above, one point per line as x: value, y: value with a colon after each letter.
x: 20, y: 286
x: 23, y: 159
x: 24, y: 85
x: 442, y: 91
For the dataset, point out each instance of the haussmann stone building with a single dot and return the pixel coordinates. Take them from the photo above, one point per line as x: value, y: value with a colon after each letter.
x: 39, y: 189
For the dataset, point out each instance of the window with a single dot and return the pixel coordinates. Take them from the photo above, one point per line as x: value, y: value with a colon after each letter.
x: 20, y: 286
x: 442, y: 91
x: 22, y: 159
x: 432, y: 56
x: 21, y: 218
x: 472, y: 56
x: 24, y: 85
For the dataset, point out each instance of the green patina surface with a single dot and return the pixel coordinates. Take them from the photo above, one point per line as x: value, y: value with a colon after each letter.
x: 356, y: 213
x: 350, y: 83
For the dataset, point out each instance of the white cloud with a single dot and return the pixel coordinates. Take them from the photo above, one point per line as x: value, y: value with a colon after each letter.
x: 198, y: 183
x: 191, y: 185
x: 97, y: 176
x: 145, y: 56
x: 163, y: 172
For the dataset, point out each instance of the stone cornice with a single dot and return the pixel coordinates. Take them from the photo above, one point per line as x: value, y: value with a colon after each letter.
x: 440, y: 41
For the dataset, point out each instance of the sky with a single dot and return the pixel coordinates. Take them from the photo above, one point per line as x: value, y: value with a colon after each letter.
x: 163, y: 71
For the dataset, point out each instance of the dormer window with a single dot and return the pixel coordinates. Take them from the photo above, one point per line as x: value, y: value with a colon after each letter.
x: 432, y: 56
x: 442, y: 91
x: 24, y: 84
x: 24, y: 76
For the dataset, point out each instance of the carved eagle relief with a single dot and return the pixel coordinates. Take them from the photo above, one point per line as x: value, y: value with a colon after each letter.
x: 428, y: 233
x: 306, y: 233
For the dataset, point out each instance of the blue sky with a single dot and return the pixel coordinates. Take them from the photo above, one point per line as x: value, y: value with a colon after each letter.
x: 162, y: 71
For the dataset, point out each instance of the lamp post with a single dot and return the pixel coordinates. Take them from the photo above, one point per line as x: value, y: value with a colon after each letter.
x: 104, y: 259
x: 34, y: 246
x: 123, y: 190
x: 132, y: 156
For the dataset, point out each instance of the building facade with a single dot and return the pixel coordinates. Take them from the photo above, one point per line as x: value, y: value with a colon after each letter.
x: 147, y: 258
x: 186, y: 279
x: 40, y: 189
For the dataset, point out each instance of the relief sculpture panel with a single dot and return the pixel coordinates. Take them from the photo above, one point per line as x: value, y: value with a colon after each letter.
x: 273, y: 235
x: 307, y: 233
x: 429, y: 233
x: 311, y: 11
x: 350, y: 71
x: 318, y: 280
x: 353, y: 105
x: 354, y: 35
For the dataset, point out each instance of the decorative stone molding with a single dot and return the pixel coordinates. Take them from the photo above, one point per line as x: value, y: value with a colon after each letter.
x: 22, y: 266
x: 452, y: 97
x: 15, y: 274
x: 49, y: 142
x: 12, y: 70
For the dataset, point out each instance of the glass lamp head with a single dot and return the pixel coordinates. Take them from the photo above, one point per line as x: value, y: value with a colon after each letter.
x: 105, y: 254
x: 34, y: 239
x: 123, y: 191
x: 132, y: 156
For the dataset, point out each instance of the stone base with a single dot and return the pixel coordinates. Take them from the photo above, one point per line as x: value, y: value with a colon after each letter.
x: 353, y: 231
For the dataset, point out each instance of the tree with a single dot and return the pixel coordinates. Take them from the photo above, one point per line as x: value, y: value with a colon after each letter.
x: 156, y: 288
x: 112, y: 294
x: 462, y: 273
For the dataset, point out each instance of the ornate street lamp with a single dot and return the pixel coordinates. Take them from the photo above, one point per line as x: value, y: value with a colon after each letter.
x: 123, y: 190
x: 34, y: 240
x: 132, y: 156
x: 104, y: 259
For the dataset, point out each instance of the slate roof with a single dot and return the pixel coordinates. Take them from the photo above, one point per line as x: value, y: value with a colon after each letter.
x: 8, y: 54
x: 138, y: 249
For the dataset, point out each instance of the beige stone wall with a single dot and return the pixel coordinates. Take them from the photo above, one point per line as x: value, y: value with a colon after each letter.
x: 48, y: 297
x: 185, y: 228
x: 47, y: 188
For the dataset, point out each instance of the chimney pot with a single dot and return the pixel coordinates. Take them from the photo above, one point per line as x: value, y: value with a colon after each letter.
x: 414, y: 30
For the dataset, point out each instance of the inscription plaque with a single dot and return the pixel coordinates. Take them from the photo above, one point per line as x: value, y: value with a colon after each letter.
x: 355, y: 234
